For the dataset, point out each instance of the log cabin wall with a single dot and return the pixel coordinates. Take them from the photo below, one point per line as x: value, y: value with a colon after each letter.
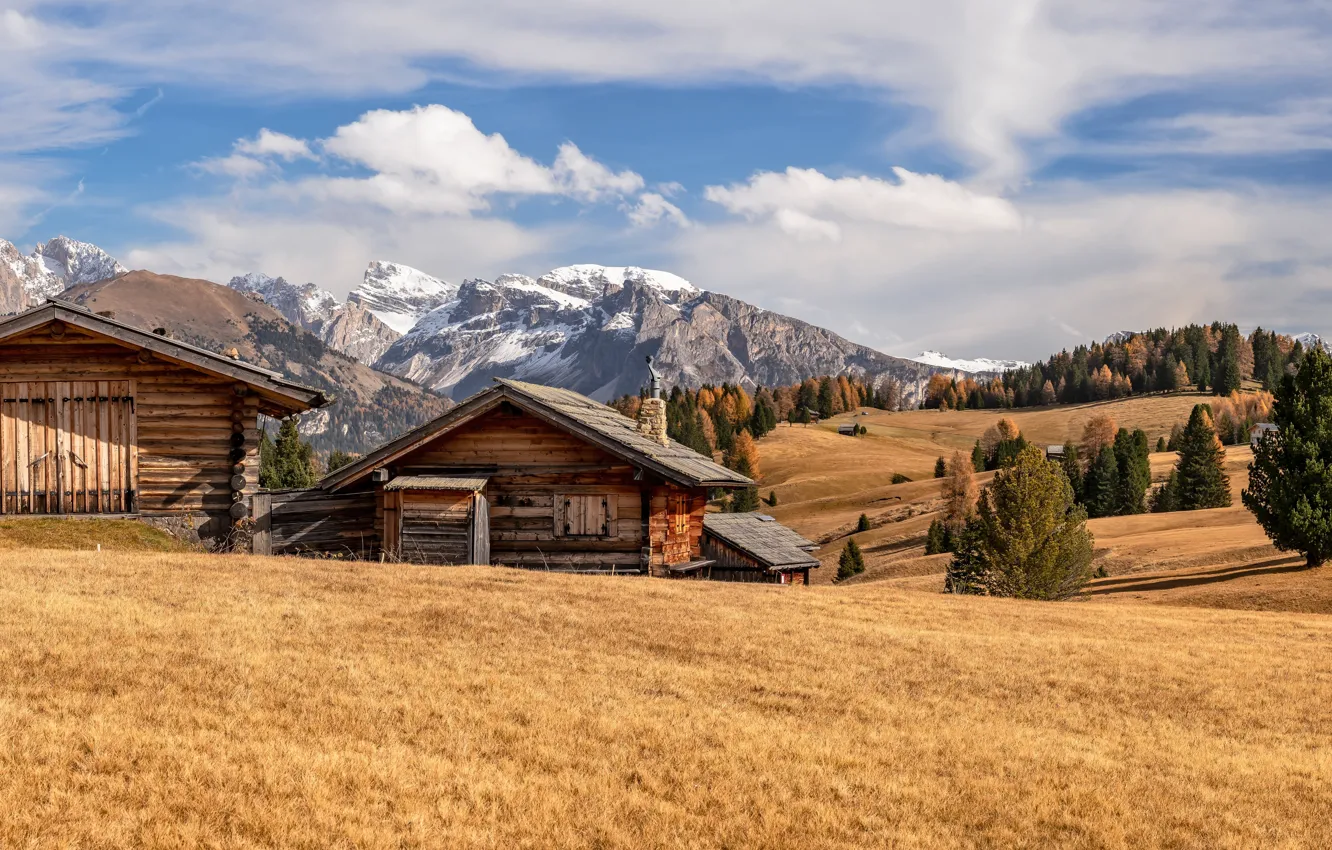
x: 183, y: 419
x: 533, y: 469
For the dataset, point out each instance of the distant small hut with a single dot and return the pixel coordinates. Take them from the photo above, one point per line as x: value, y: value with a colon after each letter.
x: 847, y: 429
x: 1054, y: 452
x: 1260, y: 432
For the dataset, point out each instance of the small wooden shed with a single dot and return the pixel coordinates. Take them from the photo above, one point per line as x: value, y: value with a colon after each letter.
x: 436, y: 519
x: 754, y: 547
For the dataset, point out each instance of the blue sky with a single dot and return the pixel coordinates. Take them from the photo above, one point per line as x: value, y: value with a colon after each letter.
x: 990, y: 179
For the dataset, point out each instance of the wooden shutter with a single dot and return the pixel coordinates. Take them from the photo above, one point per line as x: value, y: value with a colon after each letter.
x: 584, y: 515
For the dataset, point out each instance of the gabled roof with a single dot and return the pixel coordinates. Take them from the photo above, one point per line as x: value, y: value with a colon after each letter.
x: 762, y: 538
x: 590, y: 420
x: 282, y: 395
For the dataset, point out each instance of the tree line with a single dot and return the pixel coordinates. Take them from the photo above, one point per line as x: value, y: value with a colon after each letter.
x: 1215, y: 358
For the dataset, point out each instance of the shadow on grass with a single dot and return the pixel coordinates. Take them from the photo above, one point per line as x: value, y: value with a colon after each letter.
x: 1132, y: 584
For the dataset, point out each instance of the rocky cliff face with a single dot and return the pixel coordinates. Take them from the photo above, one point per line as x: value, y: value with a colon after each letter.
x: 589, y: 328
x: 348, y: 328
x: 49, y: 270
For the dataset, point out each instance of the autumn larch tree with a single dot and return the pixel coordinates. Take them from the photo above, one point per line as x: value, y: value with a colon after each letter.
x: 1098, y: 433
x: 959, y: 492
x: 1290, y: 479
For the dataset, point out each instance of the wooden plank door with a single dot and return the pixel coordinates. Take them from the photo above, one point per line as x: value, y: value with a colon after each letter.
x: 68, y: 447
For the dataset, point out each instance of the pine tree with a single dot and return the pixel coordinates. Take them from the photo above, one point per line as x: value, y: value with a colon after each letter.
x: 1134, y: 471
x: 826, y: 397
x: 1100, y: 488
x: 1202, y: 481
x: 936, y: 539
x: 1072, y: 467
x: 1228, y: 367
x: 940, y: 467
x: 1162, y: 445
x: 1166, y: 498
x: 978, y: 457
x: 772, y: 498
x: 1028, y: 539
x: 745, y: 500
x: 862, y: 524
x: 1290, y: 479
x: 337, y: 459
x: 290, y: 461
x: 851, y: 562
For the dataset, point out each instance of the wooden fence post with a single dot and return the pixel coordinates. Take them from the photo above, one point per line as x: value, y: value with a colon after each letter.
x: 263, y: 523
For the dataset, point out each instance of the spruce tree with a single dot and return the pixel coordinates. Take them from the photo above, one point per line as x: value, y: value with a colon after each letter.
x: 290, y: 461
x: 1161, y: 444
x: 825, y: 397
x: 1290, y: 479
x: 1203, y: 482
x: 1028, y: 539
x: 1134, y: 471
x: 1228, y: 368
x: 940, y: 467
x: 1166, y: 498
x: 978, y: 457
x: 1072, y: 467
x: 337, y: 459
x: 851, y: 562
x: 1100, y: 488
x: 772, y: 498
x: 862, y: 524
x: 936, y: 539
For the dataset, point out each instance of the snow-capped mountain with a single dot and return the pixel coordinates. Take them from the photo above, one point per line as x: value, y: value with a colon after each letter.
x: 399, y: 295
x: 1312, y: 340
x: 346, y: 327
x: 589, y: 328
x: 49, y: 270
x: 978, y: 364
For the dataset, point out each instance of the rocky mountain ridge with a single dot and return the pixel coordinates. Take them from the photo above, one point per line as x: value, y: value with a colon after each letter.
x: 51, y: 268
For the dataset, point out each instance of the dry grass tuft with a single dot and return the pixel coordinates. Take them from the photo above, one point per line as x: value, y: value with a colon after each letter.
x: 195, y: 700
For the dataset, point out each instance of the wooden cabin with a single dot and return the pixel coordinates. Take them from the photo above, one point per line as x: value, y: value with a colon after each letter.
x: 519, y: 475
x: 754, y: 547
x: 99, y: 417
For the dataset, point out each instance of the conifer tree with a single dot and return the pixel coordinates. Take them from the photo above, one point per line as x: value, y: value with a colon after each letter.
x: 1290, y: 479
x: 290, y: 462
x: 1228, y: 366
x: 337, y: 459
x: 1028, y: 539
x: 1134, y: 471
x: 851, y: 562
x: 978, y: 457
x: 1100, y: 487
x: 1072, y: 467
x: 862, y: 524
x: 772, y: 498
x: 959, y: 492
x: 1202, y: 479
x: 826, y: 397
x: 940, y: 467
x: 1161, y: 444
x: 936, y: 539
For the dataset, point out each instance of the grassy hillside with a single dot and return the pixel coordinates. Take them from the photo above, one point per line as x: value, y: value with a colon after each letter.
x: 824, y: 481
x: 195, y: 700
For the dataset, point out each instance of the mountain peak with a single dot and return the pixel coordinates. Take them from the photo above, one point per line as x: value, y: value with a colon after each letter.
x: 400, y: 295
x: 939, y: 360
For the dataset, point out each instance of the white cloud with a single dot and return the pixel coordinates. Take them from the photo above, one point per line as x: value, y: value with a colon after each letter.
x: 432, y: 159
x: 652, y: 209
x: 280, y: 145
x: 806, y: 202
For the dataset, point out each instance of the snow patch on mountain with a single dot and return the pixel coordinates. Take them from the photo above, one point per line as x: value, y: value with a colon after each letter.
x: 1312, y: 340
x: 55, y: 266
x: 979, y: 364
x: 399, y: 296
x: 306, y: 306
x: 590, y: 281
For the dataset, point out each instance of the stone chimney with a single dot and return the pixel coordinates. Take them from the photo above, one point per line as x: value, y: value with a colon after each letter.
x: 652, y: 414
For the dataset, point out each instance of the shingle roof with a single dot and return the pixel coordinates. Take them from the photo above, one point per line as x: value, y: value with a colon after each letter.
x: 595, y: 422
x: 293, y: 396
x: 435, y: 482
x: 610, y: 423
x: 762, y: 538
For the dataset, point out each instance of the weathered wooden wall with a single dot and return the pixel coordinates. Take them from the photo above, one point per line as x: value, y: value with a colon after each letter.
x: 302, y: 522
x: 183, y: 417
x: 676, y: 524
x: 530, y: 464
x: 436, y: 525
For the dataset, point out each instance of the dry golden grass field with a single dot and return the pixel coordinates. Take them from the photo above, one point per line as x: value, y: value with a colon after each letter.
x: 1217, y: 558
x: 186, y: 700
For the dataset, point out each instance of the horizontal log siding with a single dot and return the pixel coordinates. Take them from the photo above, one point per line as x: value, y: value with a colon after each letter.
x: 435, y: 526
x: 537, y: 463
x: 669, y: 546
x: 184, y: 417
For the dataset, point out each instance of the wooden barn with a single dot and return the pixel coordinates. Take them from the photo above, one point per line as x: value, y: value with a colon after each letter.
x: 99, y: 417
x: 756, y: 548
x: 520, y: 475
